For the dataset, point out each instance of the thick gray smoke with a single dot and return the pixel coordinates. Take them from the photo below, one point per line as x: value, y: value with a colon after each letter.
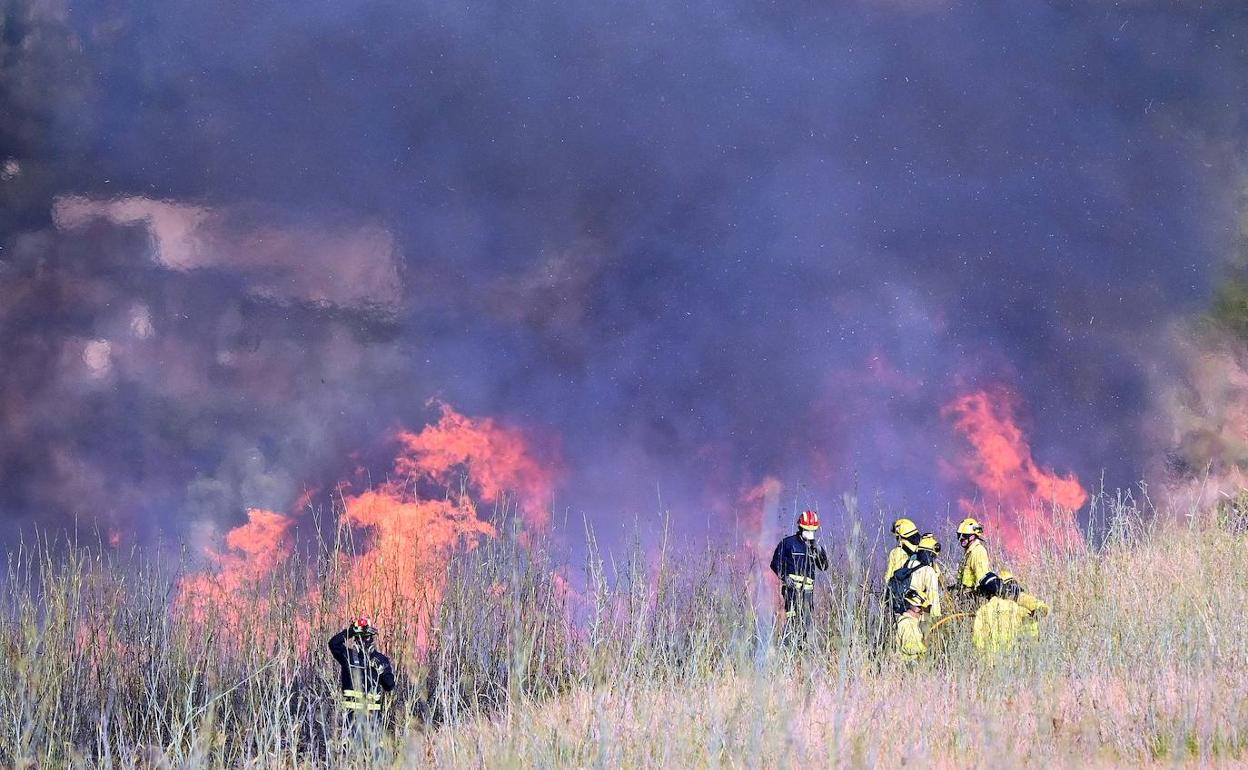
x: 686, y: 245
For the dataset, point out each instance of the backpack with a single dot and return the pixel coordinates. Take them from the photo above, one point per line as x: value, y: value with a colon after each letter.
x: 898, y: 585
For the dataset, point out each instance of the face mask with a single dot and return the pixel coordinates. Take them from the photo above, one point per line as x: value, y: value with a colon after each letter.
x: 808, y: 535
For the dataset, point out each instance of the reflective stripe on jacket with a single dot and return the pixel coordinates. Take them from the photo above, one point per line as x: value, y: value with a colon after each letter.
x: 363, y: 675
x: 795, y: 558
x: 361, y: 701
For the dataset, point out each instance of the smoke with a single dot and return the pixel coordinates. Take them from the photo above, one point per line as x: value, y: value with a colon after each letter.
x: 691, y: 247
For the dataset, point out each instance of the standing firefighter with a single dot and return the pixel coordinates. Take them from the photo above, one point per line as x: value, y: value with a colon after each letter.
x: 975, y: 564
x: 795, y: 560
x: 926, y: 577
x: 365, y: 674
x: 907, y: 541
x: 920, y: 574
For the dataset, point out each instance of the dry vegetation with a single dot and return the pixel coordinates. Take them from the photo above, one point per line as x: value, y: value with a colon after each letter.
x: 1145, y: 660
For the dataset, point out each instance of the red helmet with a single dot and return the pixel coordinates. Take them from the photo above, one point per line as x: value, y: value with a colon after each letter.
x: 808, y: 520
x: 364, y: 627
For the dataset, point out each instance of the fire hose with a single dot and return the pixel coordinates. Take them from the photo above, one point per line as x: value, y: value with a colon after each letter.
x: 946, y: 619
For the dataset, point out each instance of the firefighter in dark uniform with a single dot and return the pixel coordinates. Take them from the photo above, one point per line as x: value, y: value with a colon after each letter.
x: 365, y: 675
x: 795, y: 560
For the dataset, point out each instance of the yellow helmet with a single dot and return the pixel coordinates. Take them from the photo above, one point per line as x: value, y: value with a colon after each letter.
x: 1007, y: 576
x: 929, y: 543
x: 905, y: 528
x: 917, y: 598
x: 970, y: 527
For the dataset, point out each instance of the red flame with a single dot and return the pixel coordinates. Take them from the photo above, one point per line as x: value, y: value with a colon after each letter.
x: 1021, y: 496
x: 400, y: 560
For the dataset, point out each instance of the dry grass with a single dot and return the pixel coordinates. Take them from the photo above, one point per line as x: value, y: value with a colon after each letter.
x: 664, y: 661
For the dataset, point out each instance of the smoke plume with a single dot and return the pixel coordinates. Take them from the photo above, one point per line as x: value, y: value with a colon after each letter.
x: 681, y: 247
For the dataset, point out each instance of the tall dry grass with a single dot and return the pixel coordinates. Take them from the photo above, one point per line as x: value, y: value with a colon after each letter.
x: 666, y: 659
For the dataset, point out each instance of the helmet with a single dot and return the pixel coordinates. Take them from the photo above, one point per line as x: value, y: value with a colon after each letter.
x: 905, y: 528
x: 363, y: 628
x: 916, y: 598
x: 989, y: 585
x: 929, y: 543
x: 1007, y: 576
x: 970, y: 527
x: 809, y: 520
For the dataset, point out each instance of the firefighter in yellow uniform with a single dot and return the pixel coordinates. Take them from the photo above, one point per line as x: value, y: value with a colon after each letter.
x: 907, y: 542
x: 908, y: 639
x: 926, y: 579
x: 975, y: 563
x: 1001, y: 620
x: 1036, y: 608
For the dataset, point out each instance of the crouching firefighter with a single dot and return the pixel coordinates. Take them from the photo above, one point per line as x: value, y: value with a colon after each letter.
x: 795, y: 560
x: 365, y: 674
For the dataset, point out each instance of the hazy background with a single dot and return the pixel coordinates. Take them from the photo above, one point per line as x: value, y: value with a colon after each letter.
x: 684, y: 246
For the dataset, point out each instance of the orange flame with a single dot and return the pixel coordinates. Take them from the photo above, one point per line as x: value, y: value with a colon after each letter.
x: 255, y: 550
x: 497, y: 460
x: 399, y: 565
x: 1029, y: 499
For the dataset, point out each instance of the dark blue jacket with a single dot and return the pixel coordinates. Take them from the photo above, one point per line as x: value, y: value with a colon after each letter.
x: 357, y: 670
x: 794, y: 556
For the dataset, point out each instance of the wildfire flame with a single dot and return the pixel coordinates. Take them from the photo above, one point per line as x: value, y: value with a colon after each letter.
x: 406, y: 535
x: 1020, y: 497
x: 254, y: 551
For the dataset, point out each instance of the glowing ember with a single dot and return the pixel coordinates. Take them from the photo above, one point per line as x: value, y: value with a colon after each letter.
x: 1019, y: 496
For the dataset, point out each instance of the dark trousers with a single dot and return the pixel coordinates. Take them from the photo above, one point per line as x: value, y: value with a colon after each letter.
x: 799, y: 610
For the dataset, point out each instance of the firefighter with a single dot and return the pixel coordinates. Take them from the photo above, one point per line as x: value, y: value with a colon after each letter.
x: 1036, y: 608
x: 794, y: 561
x: 907, y: 535
x: 365, y: 674
x: 975, y: 564
x: 908, y: 639
x: 925, y: 578
x: 1001, y: 619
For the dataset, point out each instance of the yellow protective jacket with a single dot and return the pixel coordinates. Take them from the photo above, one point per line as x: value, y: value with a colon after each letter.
x: 974, y: 566
x: 897, y: 559
x: 1036, y: 609
x: 998, y: 624
x: 926, y: 580
x: 909, y: 638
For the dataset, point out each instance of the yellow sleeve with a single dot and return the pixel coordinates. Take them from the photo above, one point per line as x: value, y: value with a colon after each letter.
x: 926, y: 582
x: 897, y: 559
x: 1035, y: 607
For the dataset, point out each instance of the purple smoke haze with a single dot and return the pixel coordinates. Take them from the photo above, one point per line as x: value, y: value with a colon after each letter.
x: 685, y: 245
